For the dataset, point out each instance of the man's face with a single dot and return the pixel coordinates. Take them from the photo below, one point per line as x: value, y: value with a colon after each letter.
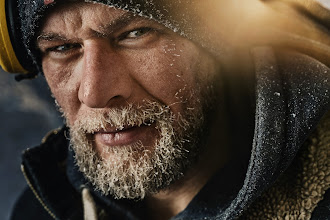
x: 133, y: 92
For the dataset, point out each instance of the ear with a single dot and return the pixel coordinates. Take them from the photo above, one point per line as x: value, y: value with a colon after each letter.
x: 10, y: 41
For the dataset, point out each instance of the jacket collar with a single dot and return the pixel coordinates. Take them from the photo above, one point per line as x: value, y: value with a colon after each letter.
x: 44, y: 169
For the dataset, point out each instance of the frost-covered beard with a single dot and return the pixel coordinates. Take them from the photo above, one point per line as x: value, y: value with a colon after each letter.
x: 135, y: 171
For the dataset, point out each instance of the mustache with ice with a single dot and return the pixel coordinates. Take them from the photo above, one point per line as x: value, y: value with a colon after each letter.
x: 118, y: 119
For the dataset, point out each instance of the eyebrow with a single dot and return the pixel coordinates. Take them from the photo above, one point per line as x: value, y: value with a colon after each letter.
x: 118, y: 23
x: 50, y: 37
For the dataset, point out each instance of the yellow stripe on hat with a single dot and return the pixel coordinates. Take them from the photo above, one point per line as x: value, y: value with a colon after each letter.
x: 8, y: 59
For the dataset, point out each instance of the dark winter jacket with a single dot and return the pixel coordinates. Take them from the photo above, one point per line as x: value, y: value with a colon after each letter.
x: 285, y: 172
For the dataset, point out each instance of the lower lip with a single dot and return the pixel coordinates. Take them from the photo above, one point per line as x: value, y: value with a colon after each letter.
x: 126, y: 137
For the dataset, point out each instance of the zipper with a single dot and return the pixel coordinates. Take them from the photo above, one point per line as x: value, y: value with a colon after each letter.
x: 36, y: 194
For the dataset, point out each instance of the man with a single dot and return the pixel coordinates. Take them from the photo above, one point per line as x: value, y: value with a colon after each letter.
x: 159, y: 116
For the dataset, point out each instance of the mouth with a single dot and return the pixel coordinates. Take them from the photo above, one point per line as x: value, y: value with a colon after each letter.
x: 126, y: 135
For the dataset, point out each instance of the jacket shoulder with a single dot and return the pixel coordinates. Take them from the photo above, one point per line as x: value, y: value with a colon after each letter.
x: 28, y: 207
x: 302, y: 191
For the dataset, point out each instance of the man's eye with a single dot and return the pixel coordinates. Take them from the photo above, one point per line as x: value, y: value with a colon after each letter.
x: 136, y: 33
x: 63, y: 48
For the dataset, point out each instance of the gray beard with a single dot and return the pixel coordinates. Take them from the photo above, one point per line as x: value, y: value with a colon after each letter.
x: 135, y: 171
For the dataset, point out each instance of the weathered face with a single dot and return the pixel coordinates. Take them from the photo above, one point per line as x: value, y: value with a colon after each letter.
x: 131, y: 91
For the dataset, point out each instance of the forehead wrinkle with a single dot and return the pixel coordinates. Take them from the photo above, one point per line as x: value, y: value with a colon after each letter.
x: 57, y: 27
x: 119, y: 22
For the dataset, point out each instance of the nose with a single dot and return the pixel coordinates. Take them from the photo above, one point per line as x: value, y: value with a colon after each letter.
x: 104, y: 78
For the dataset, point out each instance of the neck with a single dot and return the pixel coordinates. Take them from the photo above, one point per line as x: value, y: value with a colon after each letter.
x: 171, y: 201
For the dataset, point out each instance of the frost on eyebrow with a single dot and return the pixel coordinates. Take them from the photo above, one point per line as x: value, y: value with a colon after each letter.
x: 50, y: 37
x: 43, y: 38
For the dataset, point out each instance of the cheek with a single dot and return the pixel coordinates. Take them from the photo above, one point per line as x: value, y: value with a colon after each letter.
x: 63, y: 87
x: 166, y: 73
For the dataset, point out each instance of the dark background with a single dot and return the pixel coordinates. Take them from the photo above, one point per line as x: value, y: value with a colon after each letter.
x: 27, y: 114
